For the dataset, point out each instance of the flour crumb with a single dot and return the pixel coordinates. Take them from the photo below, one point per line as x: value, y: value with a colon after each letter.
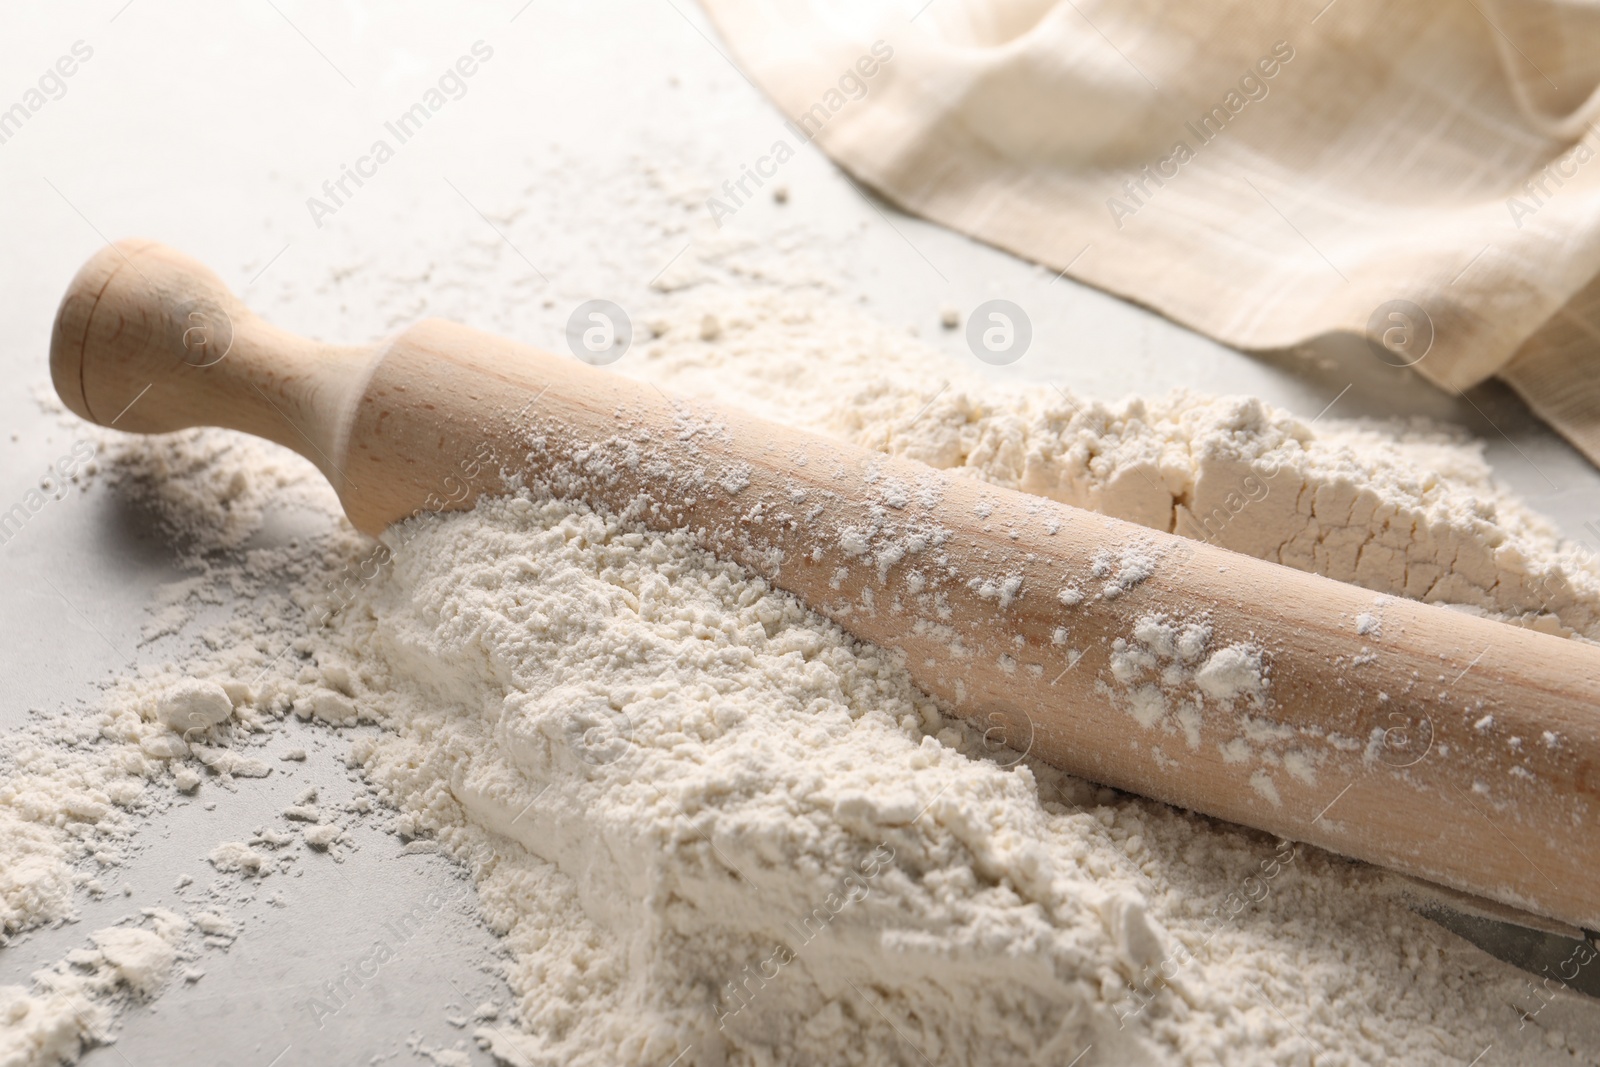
x: 194, y: 704
x: 231, y: 856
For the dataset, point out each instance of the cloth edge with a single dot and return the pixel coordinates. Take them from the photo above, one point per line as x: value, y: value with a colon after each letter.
x: 1563, y: 388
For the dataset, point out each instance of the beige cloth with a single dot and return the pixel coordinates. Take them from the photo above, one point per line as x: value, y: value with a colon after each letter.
x: 1311, y: 162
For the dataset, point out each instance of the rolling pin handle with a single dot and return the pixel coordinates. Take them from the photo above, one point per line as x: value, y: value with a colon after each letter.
x: 147, y: 340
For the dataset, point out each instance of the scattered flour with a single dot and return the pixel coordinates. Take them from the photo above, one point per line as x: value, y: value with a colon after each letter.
x: 1167, y: 668
x: 713, y: 829
x: 70, y: 1004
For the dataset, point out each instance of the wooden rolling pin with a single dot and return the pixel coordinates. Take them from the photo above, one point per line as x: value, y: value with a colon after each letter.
x: 1452, y: 748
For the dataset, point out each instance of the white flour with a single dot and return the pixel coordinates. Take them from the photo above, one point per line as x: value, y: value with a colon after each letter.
x: 71, y: 1001
x: 711, y: 826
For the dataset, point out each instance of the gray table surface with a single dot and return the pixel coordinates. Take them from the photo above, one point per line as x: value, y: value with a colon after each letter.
x: 569, y: 170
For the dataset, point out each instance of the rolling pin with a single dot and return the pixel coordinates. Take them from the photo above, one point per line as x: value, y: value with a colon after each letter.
x: 1455, y: 749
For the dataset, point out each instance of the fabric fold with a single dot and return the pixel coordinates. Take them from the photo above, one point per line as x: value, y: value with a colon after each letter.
x: 1420, y: 174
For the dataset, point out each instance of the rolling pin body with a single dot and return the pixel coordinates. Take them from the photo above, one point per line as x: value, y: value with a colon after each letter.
x: 1456, y: 749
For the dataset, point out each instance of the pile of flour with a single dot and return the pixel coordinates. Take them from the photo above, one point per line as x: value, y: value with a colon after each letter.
x: 714, y: 829
x: 1408, y: 510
